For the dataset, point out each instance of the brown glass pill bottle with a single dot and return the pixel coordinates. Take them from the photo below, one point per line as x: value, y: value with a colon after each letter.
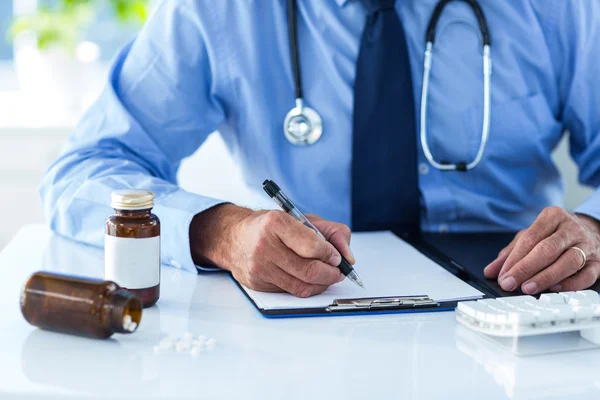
x: 132, y: 244
x: 79, y: 306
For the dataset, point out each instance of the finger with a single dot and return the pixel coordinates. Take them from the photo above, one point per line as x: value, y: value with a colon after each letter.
x: 302, y: 240
x: 581, y: 280
x: 545, y: 253
x: 565, y: 266
x: 311, y: 271
x: 544, y: 226
x: 280, y: 278
x: 308, y: 244
x: 337, y: 234
x: 493, y: 269
x: 257, y: 284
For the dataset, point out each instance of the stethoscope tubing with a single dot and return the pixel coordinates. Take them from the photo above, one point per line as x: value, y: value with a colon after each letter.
x: 314, y: 119
x: 487, y: 72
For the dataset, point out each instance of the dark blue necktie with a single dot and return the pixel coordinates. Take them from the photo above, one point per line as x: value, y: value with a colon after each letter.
x: 385, y: 192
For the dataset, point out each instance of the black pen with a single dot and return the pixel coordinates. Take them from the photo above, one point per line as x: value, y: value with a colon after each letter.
x: 288, y: 206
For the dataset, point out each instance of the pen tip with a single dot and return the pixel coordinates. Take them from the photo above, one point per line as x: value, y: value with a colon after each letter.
x: 359, y: 282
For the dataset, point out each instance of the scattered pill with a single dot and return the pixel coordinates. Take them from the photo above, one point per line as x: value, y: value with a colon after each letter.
x: 189, y: 343
x: 127, y: 319
x: 182, y: 346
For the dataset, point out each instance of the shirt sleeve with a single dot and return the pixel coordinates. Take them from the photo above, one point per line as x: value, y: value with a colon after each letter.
x: 573, y: 39
x: 162, y: 100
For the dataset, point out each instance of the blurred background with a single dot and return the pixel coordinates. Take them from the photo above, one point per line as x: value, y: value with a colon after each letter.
x: 54, y: 61
x: 54, y: 58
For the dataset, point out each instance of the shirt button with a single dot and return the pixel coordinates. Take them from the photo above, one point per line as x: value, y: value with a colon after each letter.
x: 423, y: 169
x: 443, y: 228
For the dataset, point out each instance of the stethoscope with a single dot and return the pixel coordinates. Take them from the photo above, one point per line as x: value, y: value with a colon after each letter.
x: 304, y: 126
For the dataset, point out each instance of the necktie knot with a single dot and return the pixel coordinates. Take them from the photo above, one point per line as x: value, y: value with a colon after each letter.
x: 378, y: 5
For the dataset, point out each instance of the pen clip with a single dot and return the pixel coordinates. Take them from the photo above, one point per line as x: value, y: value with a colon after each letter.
x: 382, y: 303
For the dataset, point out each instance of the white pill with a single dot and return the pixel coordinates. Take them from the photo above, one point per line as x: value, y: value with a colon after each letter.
x: 202, y: 338
x: 126, y: 319
x: 196, y: 351
x: 182, y: 346
x: 211, y: 343
x: 188, y: 336
x: 132, y: 327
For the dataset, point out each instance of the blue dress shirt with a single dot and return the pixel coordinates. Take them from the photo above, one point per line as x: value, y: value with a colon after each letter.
x: 199, y: 66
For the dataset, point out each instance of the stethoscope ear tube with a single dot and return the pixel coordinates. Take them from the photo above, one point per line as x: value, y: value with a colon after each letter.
x: 487, y: 72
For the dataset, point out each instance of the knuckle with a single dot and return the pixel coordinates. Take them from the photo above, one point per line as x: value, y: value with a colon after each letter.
x: 549, y: 278
x: 550, y: 247
x: 311, y: 245
x: 573, y: 259
x: 562, y: 237
x: 528, y: 239
x: 302, y: 290
x: 521, y: 271
x: 345, y: 230
x: 574, y: 228
x: 273, y: 218
x: 554, y: 211
x: 328, y: 252
x: 312, y: 270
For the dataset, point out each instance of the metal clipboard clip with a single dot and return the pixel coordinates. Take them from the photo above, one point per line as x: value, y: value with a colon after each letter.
x: 382, y: 303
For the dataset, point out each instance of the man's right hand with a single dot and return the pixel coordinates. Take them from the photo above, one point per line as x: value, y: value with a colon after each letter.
x: 270, y: 251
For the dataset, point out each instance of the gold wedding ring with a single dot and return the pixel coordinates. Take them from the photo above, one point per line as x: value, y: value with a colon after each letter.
x: 583, y: 254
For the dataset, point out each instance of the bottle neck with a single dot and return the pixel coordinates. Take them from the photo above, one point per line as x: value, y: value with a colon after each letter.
x: 124, y: 308
x: 133, y: 214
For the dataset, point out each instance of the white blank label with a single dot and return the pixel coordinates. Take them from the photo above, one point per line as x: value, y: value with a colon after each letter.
x: 132, y: 263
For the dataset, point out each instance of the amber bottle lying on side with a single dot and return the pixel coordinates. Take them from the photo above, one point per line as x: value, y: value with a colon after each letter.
x: 79, y: 306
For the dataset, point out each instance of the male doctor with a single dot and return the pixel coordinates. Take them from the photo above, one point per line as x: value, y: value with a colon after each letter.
x: 200, y: 66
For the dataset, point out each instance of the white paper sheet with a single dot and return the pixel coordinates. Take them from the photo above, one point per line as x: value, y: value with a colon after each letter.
x: 388, y: 267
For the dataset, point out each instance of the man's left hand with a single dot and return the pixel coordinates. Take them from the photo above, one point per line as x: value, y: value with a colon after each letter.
x: 542, y: 256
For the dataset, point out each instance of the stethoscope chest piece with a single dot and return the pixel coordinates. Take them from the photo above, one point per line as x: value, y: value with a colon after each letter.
x: 302, y: 125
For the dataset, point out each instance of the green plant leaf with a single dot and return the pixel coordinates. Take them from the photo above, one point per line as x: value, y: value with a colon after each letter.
x: 62, y: 25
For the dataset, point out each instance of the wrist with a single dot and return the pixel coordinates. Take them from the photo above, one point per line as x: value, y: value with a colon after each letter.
x: 212, y: 233
x: 590, y: 222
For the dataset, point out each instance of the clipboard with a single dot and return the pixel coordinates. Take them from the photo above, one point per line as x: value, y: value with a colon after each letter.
x: 393, y: 304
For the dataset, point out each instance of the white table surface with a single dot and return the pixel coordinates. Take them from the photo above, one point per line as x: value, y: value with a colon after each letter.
x: 402, y: 356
